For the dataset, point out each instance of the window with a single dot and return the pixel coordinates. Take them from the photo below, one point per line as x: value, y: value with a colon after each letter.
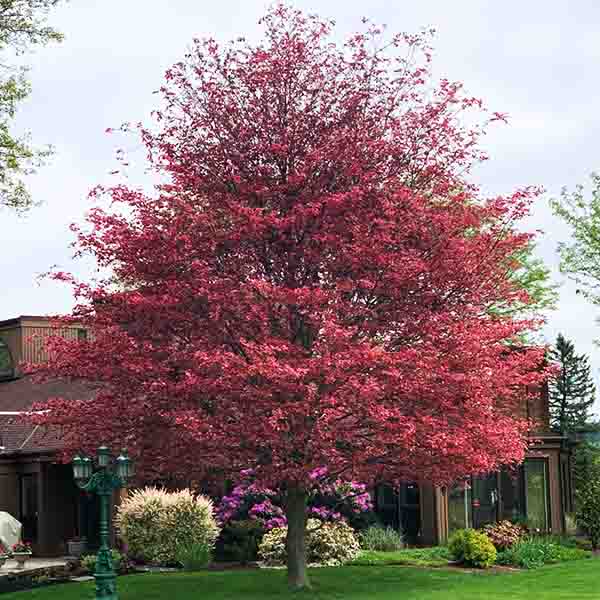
x: 386, y: 505
x: 512, y: 495
x: 29, y: 506
x: 521, y: 494
x: 6, y: 362
x: 460, y: 507
x: 409, y: 503
x: 565, y: 482
x: 82, y: 334
x: 536, y: 493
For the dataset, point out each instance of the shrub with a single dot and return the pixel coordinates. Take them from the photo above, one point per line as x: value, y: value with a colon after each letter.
x: 194, y: 556
x: 570, y: 524
x: 157, y: 525
x: 588, y: 512
x: 326, y: 543
x: 535, y: 552
x: 504, y: 534
x: 436, y: 556
x: 472, y: 548
x: 239, y: 541
x: 88, y: 562
x: 382, y: 539
x: 328, y: 501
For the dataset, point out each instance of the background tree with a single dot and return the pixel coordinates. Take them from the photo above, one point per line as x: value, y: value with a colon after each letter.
x: 586, y: 467
x: 580, y: 257
x: 571, y: 391
x: 530, y: 274
x: 311, y: 286
x: 22, y: 25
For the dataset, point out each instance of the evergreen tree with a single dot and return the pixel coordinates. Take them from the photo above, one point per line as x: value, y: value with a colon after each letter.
x: 572, y: 390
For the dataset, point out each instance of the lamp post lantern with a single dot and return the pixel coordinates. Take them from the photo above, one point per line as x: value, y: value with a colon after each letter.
x: 109, y: 476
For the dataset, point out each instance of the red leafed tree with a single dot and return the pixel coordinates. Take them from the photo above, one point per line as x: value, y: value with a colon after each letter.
x: 314, y: 282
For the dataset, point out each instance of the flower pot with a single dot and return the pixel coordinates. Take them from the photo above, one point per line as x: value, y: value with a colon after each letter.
x: 76, y: 547
x: 21, y: 558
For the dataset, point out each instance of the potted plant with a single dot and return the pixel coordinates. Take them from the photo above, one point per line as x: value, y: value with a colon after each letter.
x: 76, y: 546
x: 21, y: 552
x: 4, y: 555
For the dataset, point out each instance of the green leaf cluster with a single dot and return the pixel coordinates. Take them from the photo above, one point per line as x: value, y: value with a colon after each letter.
x: 22, y: 26
x: 580, y: 257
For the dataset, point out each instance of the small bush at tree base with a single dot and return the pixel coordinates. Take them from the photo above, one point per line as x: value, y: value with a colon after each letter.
x: 239, y: 540
x: 194, y: 557
x: 472, y: 548
x: 383, y: 539
x: 88, y: 561
x: 588, y: 512
x: 504, y: 534
x: 326, y: 543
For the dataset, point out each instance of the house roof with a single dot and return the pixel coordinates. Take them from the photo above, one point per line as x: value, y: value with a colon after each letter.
x: 20, y: 394
x: 17, y: 397
x: 17, y: 436
x: 21, y: 318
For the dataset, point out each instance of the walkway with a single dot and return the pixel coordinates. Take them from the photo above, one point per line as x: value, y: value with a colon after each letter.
x: 33, y: 564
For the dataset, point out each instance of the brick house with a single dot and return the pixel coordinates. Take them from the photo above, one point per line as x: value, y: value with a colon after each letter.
x: 33, y: 487
x: 42, y: 494
x: 539, y: 492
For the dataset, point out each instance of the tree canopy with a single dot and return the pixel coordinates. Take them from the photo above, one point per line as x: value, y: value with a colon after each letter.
x: 580, y: 257
x: 22, y: 26
x: 309, y: 292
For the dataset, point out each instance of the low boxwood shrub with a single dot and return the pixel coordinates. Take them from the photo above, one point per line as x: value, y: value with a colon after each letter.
x: 534, y: 552
x: 436, y: 556
x: 193, y: 556
x: 88, y: 562
x: 472, y: 548
x: 504, y: 534
x: 326, y: 543
x: 157, y: 525
x: 239, y: 541
x: 383, y: 539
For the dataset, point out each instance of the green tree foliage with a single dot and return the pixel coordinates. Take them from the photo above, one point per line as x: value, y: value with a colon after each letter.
x: 571, y: 390
x: 580, y: 258
x: 588, y: 512
x: 22, y: 26
x: 529, y: 273
x: 586, y: 468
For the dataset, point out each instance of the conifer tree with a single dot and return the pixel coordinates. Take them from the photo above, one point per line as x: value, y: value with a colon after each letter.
x: 572, y: 390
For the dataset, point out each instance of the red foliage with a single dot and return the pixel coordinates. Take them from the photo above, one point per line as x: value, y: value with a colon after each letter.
x: 311, y: 285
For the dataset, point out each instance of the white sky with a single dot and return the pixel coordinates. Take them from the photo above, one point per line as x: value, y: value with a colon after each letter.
x: 537, y: 60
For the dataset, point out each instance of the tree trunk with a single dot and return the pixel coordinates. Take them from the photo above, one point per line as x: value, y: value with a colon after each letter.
x: 296, y: 538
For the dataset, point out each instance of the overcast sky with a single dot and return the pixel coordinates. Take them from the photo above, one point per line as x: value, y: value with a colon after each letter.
x: 536, y: 60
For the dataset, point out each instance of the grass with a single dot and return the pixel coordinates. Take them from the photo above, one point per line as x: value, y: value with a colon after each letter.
x: 570, y: 581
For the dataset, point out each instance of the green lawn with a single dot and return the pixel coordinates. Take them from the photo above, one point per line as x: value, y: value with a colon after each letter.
x: 578, y: 580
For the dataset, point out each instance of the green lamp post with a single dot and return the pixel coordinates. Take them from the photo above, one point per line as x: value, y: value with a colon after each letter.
x: 110, y: 475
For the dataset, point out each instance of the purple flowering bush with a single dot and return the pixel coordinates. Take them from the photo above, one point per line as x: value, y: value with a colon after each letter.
x: 251, y: 510
x: 346, y: 501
